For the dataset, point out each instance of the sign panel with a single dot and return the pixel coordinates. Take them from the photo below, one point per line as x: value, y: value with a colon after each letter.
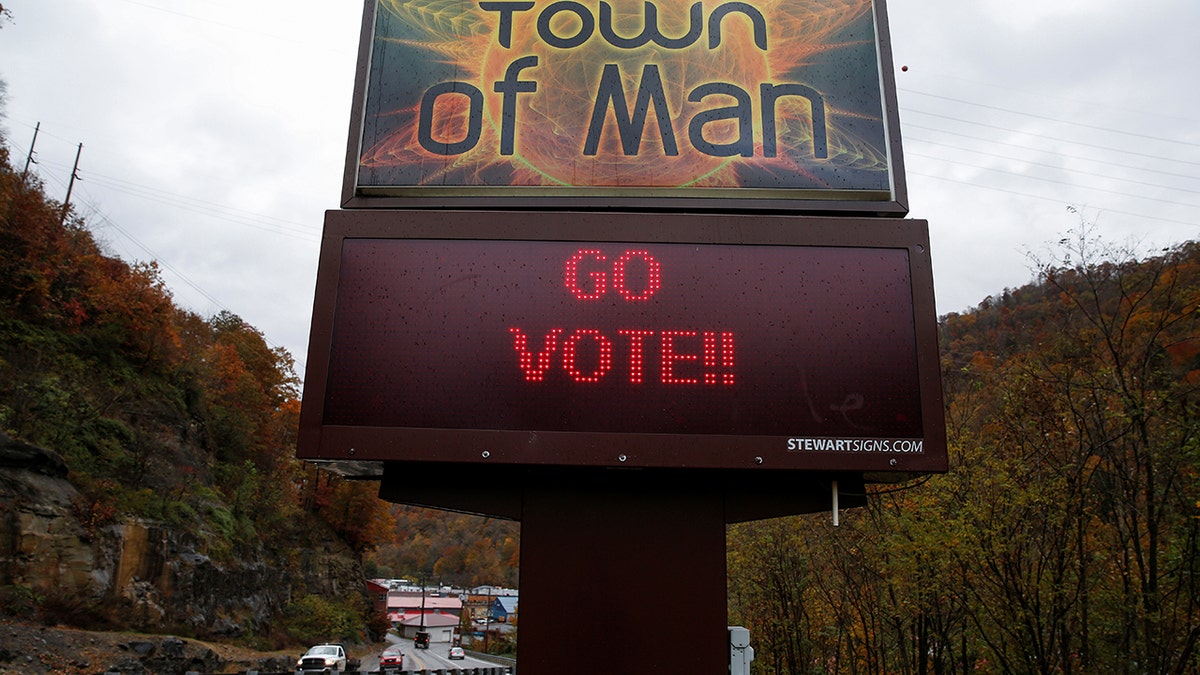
x: 634, y: 102
x: 580, y: 339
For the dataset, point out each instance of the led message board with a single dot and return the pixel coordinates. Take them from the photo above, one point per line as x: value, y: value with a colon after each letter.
x: 644, y: 340
x: 661, y: 104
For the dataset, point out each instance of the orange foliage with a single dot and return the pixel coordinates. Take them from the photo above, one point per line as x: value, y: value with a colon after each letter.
x: 353, y: 509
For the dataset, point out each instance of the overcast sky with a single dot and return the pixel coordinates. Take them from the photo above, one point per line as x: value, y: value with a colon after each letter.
x: 214, y: 133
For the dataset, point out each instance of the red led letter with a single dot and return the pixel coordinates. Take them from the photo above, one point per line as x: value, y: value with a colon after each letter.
x: 535, y: 365
x: 599, y: 279
x: 653, y: 276
x: 637, y: 356
x: 727, y: 358
x: 714, y: 362
x: 604, y: 362
x: 669, y: 357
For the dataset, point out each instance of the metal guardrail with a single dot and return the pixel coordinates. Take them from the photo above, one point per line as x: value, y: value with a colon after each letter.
x: 504, y: 666
x: 505, y: 661
x: 472, y: 670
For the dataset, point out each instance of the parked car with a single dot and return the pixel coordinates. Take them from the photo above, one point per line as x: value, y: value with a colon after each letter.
x: 457, y: 653
x: 391, y: 660
x: 326, y: 659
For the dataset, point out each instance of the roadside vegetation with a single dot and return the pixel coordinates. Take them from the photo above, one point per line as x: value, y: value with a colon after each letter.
x: 1066, y: 537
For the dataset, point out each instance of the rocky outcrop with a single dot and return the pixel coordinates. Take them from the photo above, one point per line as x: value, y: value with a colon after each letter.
x: 42, y: 544
x: 147, y: 575
x: 165, y: 656
x: 18, y: 455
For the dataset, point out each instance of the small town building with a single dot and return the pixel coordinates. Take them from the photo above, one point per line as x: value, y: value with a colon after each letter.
x: 377, y: 591
x: 504, y: 609
x: 478, y: 603
x: 442, y: 628
x: 408, y: 603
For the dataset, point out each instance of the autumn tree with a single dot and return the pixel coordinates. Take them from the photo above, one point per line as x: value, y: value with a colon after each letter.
x: 1065, y: 537
x: 1124, y: 375
x: 354, y: 510
x: 453, y: 548
x: 160, y: 414
x: 772, y: 592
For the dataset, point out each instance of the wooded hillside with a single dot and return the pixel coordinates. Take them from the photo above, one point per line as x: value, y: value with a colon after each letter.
x: 184, y: 425
x: 176, y: 422
x: 448, y: 548
x: 1066, y: 537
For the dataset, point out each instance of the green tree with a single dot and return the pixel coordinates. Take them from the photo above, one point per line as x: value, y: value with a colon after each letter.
x: 314, y: 619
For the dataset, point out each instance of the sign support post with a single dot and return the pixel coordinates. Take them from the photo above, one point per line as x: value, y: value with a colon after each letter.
x: 621, y: 570
x: 622, y: 581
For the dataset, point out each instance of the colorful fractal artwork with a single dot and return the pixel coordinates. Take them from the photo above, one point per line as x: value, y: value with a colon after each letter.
x: 759, y: 94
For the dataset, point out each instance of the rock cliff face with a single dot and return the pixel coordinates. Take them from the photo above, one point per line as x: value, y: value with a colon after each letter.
x: 142, y: 573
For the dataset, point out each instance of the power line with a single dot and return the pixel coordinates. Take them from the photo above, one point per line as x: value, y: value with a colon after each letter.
x: 1072, y: 100
x: 909, y: 125
x: 1057, y: 200
x: 241, y: 217
x: 1173, y: 141
x: 1057, y: 167
x: 251, y: 219
x: 108, y: 222
x: 1056, y: 138
x: 1059, y: 182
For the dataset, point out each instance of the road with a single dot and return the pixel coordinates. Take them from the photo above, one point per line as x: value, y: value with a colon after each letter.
x: 423, y: 659
x: 435, y: 657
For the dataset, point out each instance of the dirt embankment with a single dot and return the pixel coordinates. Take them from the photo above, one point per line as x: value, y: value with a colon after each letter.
x: 31, y: 649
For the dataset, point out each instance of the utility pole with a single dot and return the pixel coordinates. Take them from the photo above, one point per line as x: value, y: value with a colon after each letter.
x: 421, y: 641
x: 29, y: 158
x: 422, y: 605
x: 71, y: 185
x: 487, y: 620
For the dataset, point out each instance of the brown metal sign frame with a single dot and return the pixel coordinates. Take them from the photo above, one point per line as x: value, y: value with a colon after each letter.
x: 632, y: 513
x: 490, y: 447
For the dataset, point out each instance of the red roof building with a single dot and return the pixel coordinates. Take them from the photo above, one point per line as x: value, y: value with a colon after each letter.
x: 405, y: 602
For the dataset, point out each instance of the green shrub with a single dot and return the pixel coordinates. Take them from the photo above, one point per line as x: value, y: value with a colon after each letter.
x: 19, y: 601
x: 313, y: 619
